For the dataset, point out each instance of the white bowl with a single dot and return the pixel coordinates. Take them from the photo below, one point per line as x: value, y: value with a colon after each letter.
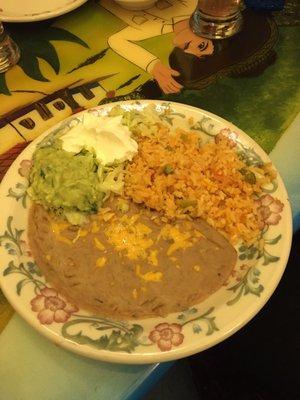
x: 136, y: 4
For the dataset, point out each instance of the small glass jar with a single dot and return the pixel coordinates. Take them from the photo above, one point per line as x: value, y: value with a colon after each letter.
x: 217, y: 19
x: 9, y: 51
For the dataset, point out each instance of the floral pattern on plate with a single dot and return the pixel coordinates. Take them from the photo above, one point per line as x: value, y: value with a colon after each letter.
x: 254, y: 278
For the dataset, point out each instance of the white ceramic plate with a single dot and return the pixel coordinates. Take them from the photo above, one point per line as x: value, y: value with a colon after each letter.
x: 255, y: 277
x: 35, y: 10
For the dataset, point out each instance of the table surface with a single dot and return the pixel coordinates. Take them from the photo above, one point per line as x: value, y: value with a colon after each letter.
x: 101, y: 53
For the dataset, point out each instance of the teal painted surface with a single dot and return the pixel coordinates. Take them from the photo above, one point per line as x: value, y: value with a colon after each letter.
x: 32, y: 368
x: 286, y: 157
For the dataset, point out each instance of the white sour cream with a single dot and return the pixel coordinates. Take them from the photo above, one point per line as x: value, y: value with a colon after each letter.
x: 105, y: 136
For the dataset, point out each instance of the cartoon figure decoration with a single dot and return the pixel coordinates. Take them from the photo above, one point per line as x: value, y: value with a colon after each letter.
x: 103, y: 52
x: 167, y: 16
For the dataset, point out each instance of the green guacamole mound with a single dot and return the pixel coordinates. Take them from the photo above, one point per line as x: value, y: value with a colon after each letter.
x: 64, y: 181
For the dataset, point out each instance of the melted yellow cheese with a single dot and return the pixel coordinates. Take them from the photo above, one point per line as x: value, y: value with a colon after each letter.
x: 107, y: 216
x: 134, y: 294
x: 80, y: 233
x: 57, y: 228
x: 143, y: 229
x: 125, y: 234
x: 198, y: 234
x: 101, y: 261
x: 150, y: 276
x: 95, y: 227
x: 181, y: 240
x: 153, y: 257
x: 104, y: 210
x: 197, y: 268
x: 130, y: 220
x: 98, y: 244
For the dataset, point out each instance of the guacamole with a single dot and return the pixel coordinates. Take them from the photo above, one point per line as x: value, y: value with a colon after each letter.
x: 64, y: 181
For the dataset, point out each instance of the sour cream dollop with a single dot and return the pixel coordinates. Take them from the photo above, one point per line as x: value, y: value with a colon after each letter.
x: 105, y: 136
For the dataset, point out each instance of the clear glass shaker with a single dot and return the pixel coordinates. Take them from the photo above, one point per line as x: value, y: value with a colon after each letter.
x: 9, y: 51
x: 217, y: 19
